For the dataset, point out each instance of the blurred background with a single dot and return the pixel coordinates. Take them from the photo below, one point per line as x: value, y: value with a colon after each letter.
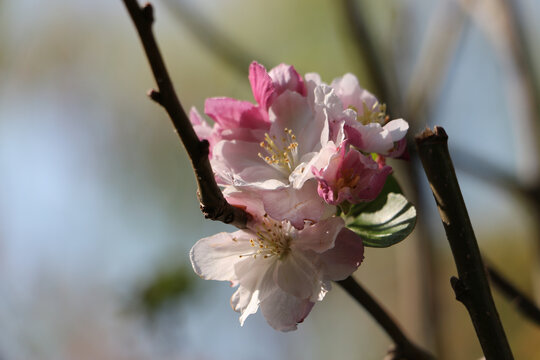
x: 98, y: 205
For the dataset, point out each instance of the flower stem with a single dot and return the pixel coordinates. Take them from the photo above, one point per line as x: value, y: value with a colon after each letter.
x: 404, y: 348
x: 213, y: 204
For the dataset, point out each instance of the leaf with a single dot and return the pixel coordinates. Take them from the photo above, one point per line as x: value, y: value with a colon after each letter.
x: 166, y: 287
x: 384, y: 221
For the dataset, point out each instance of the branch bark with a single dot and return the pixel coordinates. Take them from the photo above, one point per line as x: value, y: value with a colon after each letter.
x: 404, y: 349
x: 471, y: 288
x: 212, y: 203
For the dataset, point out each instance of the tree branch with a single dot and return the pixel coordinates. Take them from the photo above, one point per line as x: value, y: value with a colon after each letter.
x: 471, y: 288
x: 404, y: 348
x: 213, y: 204
x: 521, y: 302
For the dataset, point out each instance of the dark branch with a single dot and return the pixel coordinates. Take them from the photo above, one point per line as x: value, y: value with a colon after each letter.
x: 472, y: 288
x: 213, y: 204
x: 404, y: 349
x: 522, y: 303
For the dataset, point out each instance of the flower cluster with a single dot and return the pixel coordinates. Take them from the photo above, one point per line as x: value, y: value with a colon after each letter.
x: 291, y: 160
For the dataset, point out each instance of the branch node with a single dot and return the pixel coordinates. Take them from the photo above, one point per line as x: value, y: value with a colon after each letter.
x: 459, y: 288
x: 148, y: 12
x: 155, y: 95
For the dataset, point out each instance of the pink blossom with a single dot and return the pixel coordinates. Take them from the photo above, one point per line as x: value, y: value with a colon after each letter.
x: 350, y: 176
x: 277, y: 168
x: 372, y: 131
x: 243, y: 120
x: 270, y: 148
x: 276, y: 267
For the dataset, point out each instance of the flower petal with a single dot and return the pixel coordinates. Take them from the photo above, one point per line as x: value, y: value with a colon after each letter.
x: 319, y: 237
x: 256, y: 274
x: 285, y: 77
x: 298, y: 276
x: 296, y: 205
x: 369, y: 138
x: 240, y: 160
x: 214, y: 257
x: 351, y: 94
x: 232, y: 113
x: 284, y: 311
x: 261, y: 85
x: 292, y: 111
x: 397, y: 129
x: 245, y: 302
x: 344, y: 258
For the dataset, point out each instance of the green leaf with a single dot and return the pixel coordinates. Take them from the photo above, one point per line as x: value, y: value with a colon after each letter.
x: 384, y: 221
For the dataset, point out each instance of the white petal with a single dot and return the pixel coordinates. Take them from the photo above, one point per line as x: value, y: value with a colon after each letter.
x: 375, y: 138
x: 245, y: 302
x: 214, y: 257
x: 298, y: 276
x: 284, y: 311
x: 241, y: 159
x: 256, y: 274
x: 397, y: 129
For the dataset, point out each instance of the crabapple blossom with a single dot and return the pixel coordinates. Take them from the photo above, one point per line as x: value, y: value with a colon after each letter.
x: 350, y: 176
x: 277, y: 267
x: 371, y: 130
x: 285, y: 150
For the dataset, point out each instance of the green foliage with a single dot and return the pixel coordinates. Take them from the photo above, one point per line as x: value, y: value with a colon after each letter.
x: 166, y: 287
x: 384, y: 221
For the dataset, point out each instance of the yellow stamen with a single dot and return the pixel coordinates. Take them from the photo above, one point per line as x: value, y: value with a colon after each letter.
x: 283, y: 155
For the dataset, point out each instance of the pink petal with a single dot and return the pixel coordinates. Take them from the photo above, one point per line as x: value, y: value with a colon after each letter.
x: 319, y: 237
x: 284, y: 311
x: 352, y: 94
x: 232, y: 113
x: 295, y: 205
x: 292, y: 111
x: 285, y: 77
x: 248, y: 200
x: 261, y: 85
x: 202, y: 129
x: 369, y: 138
x: 344, y: 258
x: 352, y: 177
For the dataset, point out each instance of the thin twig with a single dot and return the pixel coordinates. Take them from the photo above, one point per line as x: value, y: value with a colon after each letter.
x: 471, y: 288
x: 522, y: 303
x: 404, y: 348
x: 213, y: 204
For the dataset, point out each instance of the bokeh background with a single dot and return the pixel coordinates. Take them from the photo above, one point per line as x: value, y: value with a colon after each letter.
x: 98, y: 205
